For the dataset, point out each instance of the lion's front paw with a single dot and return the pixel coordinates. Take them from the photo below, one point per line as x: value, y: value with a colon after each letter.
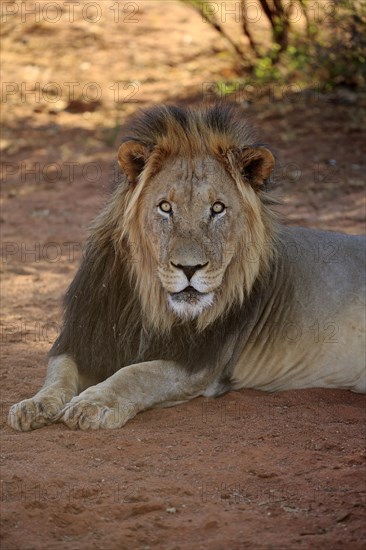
x: 89, y: 411
x: 34, y: 413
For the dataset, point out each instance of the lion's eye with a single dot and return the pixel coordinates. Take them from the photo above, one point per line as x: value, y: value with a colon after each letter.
x: 217, y: 208
x: 165, y: 207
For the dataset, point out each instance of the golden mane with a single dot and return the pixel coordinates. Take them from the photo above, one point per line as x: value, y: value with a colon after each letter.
x: 176, y: 132
x: 115, y: 313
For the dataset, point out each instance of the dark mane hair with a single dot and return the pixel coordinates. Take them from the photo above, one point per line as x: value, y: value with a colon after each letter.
x: 105, y: 325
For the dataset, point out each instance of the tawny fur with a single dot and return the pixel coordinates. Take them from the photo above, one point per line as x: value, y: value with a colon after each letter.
x: 128, y: 343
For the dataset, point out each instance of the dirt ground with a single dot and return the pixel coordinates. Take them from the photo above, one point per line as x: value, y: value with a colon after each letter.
x: 246, y: 471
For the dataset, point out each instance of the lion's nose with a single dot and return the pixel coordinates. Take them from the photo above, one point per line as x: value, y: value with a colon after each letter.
x: 189, y: 270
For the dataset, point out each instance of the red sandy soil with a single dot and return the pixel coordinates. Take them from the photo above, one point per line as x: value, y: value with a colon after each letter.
x: 248, y: 470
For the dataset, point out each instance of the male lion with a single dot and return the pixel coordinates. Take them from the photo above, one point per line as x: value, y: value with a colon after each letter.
x: 189, y: 286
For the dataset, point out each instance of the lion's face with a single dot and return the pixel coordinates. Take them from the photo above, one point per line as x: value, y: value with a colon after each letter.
x: 193, y: 220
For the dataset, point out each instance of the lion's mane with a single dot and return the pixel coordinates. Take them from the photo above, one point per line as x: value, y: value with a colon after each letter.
x: 115, y: 309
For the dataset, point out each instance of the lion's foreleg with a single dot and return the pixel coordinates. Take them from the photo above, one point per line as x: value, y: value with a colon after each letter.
x: 62, y: 384
x: 131, y: 390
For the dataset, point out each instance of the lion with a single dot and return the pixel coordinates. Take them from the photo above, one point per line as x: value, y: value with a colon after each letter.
x: 190, y: 286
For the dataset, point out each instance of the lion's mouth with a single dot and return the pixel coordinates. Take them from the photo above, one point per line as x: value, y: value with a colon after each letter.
x: 190, y: 302
x: 188, y: 294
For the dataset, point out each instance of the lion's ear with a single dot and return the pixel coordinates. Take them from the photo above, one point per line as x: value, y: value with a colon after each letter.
x: 132, y: 157
x: 255, y: 164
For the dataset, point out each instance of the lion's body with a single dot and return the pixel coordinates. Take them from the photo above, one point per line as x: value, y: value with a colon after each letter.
x: 309, y: 330
x: 189, y: 286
